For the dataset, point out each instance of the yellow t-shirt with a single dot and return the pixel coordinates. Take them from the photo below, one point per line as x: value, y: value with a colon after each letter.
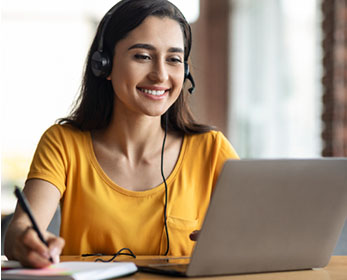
x: 98, y: 216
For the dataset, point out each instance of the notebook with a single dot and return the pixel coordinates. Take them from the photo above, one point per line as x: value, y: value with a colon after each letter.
x: 268, y: 215
x: 73, y: 271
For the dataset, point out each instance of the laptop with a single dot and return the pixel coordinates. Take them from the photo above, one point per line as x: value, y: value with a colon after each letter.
x: 267, y: 215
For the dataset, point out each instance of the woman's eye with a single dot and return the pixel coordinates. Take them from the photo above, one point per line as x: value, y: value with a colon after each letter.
x: 142, y: 56
x: 175, y: 60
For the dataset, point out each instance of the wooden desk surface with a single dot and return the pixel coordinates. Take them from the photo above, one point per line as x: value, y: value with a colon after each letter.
x: 336, y: 270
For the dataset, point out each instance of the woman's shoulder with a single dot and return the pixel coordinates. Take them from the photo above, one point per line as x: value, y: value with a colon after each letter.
x: 209, y: 136
x: 63, y: 133
x: 63, y: 129
x: 214, y: 141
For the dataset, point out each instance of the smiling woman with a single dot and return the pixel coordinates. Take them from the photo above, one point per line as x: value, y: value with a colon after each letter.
x: 154, y: 69
x: 52, y: 41
x: 130, y: 158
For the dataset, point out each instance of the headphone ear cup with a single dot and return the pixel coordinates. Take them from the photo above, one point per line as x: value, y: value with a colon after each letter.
x: 101, y: 64
x: 188, y: 76
x: 186, y: 70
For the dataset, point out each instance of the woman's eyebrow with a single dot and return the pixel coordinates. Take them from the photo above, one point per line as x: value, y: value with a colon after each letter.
x: 176, y: 50
x: 142, y: 46
x: 152, y: 48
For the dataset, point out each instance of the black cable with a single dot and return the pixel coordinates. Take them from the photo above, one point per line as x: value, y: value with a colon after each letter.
x: 120, y: 252
x: 166, y: 196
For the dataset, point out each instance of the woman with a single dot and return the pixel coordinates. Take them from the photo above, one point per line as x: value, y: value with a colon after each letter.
x: 130, y: 166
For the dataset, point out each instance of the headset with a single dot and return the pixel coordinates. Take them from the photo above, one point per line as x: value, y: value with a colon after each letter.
x: 101, y: 62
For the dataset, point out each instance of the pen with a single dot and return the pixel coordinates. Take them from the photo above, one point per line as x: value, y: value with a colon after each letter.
x: 25, y: 206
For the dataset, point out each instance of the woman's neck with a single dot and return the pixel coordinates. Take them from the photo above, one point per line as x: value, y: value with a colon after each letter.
x: 135, y: 137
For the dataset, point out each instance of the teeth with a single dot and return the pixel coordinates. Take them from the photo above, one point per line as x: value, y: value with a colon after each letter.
x: 153, y: 92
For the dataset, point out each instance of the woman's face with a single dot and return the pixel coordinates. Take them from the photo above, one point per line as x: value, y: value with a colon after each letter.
x: 148, y: 67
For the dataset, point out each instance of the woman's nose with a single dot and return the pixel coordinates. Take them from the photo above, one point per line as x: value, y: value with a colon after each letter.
x: 159, y: 72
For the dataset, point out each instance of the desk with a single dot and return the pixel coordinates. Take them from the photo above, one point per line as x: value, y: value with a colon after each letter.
x: 336, y: 270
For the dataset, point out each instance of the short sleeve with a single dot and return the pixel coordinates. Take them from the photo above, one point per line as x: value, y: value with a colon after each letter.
x: 51, y: 158
x: 222, y: 151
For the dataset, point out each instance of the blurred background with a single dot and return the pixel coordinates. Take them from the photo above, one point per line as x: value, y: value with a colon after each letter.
x: 271, y: 74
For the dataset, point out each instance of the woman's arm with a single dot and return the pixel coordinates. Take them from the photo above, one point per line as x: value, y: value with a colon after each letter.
x: 21, y: 241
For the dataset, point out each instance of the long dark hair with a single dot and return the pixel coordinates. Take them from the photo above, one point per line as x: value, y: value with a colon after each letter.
x: 94, y: 106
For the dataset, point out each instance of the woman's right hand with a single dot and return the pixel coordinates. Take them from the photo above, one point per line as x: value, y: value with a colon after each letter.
x: 21, y: 242
x: 30, y: 251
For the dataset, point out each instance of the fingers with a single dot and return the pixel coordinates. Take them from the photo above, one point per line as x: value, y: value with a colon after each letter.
x: 31, y: 252
x: 31, y: 240
x: 194, y: 235
x: 56, y: 245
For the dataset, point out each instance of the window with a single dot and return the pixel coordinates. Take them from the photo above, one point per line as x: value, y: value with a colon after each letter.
x: 275, y: 109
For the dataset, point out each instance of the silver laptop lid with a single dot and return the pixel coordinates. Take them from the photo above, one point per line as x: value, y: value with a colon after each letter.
x: 272, y: 215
